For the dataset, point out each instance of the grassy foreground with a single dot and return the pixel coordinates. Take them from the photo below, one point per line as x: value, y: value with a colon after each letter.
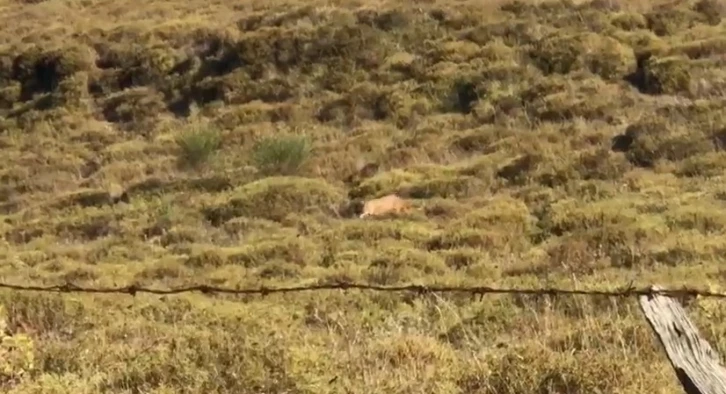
x: 231, y: 143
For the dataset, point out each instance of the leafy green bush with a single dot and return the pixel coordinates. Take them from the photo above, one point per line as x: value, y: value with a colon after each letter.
x: 198, y: 145
x: 274, y: 198
x: 561, y: 53
x: 669, y: 75
x: 281, y: 155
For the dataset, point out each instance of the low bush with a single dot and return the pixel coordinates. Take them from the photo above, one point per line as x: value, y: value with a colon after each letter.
x: 281, y: 155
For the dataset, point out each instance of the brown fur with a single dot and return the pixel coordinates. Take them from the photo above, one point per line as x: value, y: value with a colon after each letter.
x: 387, y: 204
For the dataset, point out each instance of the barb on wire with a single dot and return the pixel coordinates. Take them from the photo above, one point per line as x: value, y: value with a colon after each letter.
x: 628, y: 291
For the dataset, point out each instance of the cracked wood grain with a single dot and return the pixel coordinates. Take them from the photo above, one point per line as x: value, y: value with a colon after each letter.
x: 697, y: 366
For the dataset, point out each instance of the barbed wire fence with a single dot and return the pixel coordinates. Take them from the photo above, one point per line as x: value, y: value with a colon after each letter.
x: 627, y: 291
x: 698, y: 367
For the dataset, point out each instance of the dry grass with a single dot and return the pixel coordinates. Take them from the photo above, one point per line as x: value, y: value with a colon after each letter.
x: 231, y: 143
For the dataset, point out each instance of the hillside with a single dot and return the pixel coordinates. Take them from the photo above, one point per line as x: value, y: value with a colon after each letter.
x: 170, y: 143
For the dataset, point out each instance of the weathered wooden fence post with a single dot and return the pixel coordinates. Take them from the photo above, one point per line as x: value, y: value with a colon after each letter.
x: 696, y: 364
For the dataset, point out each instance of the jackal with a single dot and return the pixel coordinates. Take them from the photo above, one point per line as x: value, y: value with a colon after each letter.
x: 386, y: 204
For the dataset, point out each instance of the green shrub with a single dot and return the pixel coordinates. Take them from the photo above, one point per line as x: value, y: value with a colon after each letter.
x: 198, y: 145
x: 672, y: 19
x: 654, y: 140
x: 709, y: 164
x: 712, y: 10
x: 135, y: 109
x: 281, y: 155
x: 563, y: 54
x: 629, y: 21
x: 669, y: 75
x: 274, y: 198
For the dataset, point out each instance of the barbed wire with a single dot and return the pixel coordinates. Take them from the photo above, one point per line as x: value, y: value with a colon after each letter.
x: 628, y: 291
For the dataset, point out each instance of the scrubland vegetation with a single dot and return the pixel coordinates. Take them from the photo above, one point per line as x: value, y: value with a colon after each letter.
x: 174, y: 142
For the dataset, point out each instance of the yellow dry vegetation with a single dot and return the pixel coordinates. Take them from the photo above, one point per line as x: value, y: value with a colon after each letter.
x: 233, y: 143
